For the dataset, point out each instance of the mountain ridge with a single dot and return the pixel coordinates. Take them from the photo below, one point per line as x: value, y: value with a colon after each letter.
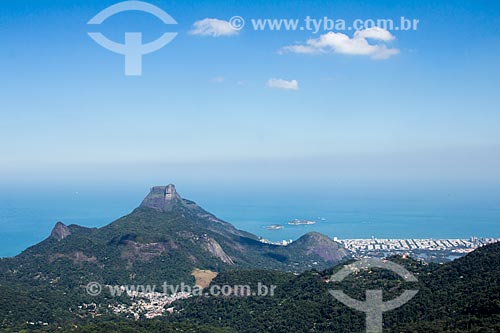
x: 168, y: 235
x: 163, y: 243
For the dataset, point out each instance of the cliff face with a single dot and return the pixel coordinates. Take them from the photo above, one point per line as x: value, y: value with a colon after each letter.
x: 211, y: 246
x: 162, y: 198
x: 60, y: 231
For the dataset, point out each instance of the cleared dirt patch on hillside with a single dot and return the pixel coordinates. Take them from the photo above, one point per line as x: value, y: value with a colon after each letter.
x: 203, y: 277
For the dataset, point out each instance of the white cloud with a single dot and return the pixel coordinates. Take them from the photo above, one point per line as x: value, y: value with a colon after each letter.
x: 375, y: 33
x: 212, y: 27
x: 283, y: 84
x: 340, y: 43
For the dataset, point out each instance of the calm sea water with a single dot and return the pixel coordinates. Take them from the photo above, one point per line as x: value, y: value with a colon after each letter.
x: 27, y: 215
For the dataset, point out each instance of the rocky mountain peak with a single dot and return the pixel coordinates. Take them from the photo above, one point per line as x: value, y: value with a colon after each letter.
x: 315, y: 238
x: 320, y: 245
x: 162, y: 198
x: 60, y: 231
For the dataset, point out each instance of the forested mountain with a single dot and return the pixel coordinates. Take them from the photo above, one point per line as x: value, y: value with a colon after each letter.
x: 162, y: 240
x: 167, y: 237
x: 461, y: 296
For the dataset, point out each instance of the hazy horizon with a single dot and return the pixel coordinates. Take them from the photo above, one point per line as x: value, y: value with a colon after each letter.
x: 202, y: 109
x: 28, y: 213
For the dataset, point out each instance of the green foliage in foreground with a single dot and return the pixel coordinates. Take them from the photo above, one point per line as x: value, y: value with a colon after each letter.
x: 146, y: 327
x: 129, y: 327
x: 461, y: 296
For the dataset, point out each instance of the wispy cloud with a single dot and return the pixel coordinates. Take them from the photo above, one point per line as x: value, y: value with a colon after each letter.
x: 218, y: 79
x: 340, y: 43
x: 212, y: 27
x: 283, y: 84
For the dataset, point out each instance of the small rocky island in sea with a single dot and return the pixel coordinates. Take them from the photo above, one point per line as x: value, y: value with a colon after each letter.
x: 301, y: 222
x: 274, y: 227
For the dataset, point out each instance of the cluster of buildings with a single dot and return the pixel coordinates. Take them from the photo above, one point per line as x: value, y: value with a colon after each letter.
x: 458, y: 246
x: 284, y: 242
x: 150, y: 305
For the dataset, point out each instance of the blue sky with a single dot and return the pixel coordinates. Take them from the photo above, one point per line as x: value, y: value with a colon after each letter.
x: 201, y: 111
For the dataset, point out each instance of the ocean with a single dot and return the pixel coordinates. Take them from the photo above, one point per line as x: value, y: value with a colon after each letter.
x: 27, y: 215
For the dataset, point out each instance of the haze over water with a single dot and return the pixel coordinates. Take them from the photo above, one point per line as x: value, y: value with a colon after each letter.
x: 27, y: 215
